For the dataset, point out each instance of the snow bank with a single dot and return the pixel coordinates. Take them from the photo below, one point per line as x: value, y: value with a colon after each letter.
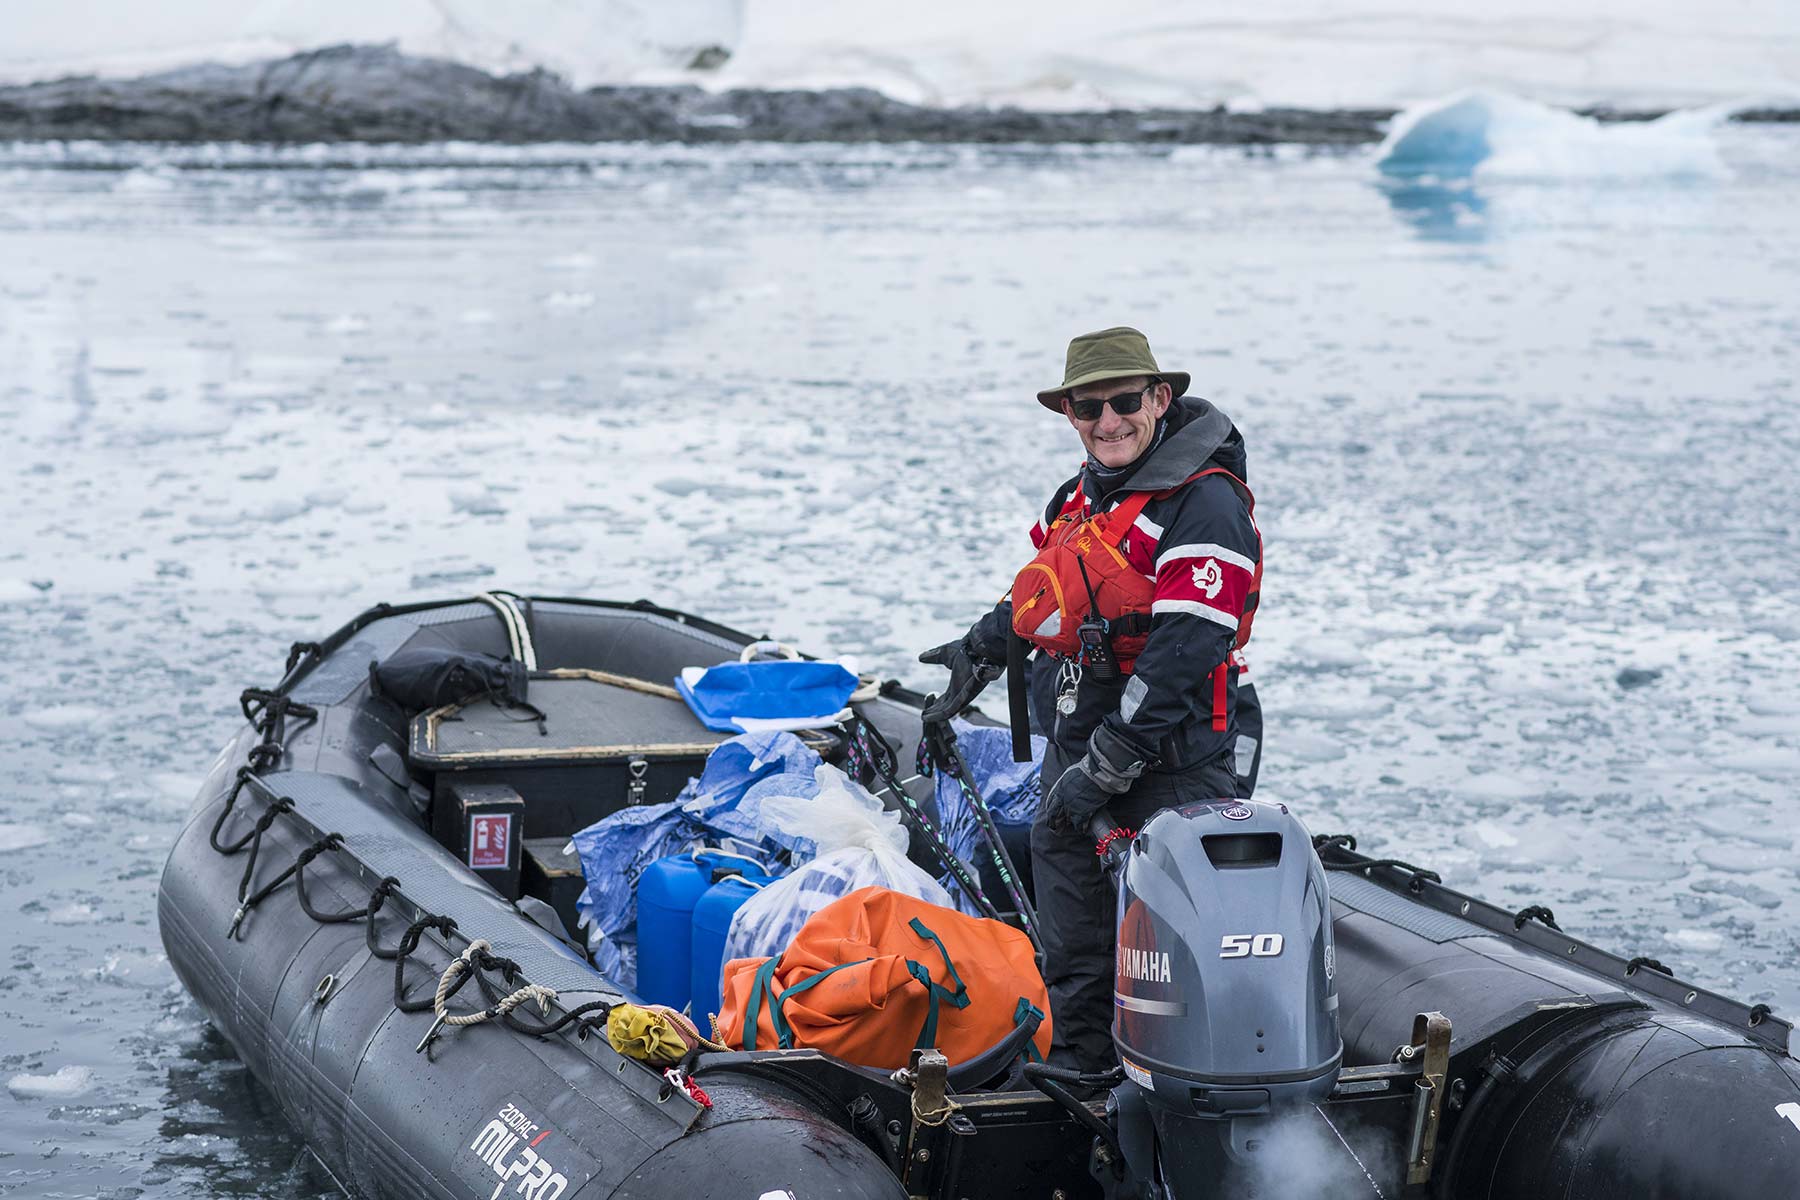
x: 588, y: 41
x: 1489, y: 134
x: 1247, y: 53
x: 1050, y: 54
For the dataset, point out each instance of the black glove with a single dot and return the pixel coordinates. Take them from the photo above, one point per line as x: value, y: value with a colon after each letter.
x: 1108, y: 769
x: 969, y: 673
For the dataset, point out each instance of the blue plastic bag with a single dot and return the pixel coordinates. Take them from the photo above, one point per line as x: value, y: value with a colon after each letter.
x: 745, y: 697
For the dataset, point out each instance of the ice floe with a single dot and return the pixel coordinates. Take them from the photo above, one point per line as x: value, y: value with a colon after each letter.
x: 63, y: 716
x: 1491, y: 134
x: 75, y: 914
x: 1698, y: 941
x: 64, y: 1083
x: 15, y: 836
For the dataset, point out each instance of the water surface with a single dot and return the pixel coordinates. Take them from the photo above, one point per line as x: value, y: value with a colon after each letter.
x: 1524, y: 457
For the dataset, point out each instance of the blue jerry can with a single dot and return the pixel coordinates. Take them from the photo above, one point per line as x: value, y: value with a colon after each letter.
x: 667, y: 891
x: 712, y: 921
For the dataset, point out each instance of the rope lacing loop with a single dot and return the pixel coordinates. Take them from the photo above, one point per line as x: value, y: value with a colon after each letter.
x: 409, y: 942
x: 326, y: 844
x: 1538, y: 912
x: 253, y: 839
x: 461, y: 969
x: 332, y: 918
x: 1760, y: 1013
x: 378, y: 897
x: 244, y: 775
x: 268, y: 712
x: 1324, y: 843
x: 379, y: 894
x: 264, y: 756
x: 1631, y: 968
x: 300, y: 650
x: 401, y: 947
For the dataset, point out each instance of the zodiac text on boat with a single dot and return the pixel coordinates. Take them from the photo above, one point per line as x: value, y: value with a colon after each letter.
x: 496, y: 1145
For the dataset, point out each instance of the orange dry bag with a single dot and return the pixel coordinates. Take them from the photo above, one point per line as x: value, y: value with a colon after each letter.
x: 876, y: 974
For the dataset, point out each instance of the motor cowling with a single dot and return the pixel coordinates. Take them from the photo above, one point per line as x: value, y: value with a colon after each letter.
x: 1224, y: 1001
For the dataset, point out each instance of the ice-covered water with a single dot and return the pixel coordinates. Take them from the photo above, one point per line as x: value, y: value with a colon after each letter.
x: 1524, y: 452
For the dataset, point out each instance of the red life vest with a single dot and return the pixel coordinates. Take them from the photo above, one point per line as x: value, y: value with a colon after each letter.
x: 1079, y: 569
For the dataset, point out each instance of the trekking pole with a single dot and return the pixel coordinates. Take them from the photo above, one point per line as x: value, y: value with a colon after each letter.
x: 940, y: 741
x: 881, y: 756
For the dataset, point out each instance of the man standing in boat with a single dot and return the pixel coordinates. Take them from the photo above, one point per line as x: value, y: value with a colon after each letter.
x: 1143, y: 589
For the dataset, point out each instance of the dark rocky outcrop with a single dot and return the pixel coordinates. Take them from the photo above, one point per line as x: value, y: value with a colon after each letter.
x: 377, y: 94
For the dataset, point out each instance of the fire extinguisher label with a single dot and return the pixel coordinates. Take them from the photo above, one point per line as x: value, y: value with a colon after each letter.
x: 490, y: 839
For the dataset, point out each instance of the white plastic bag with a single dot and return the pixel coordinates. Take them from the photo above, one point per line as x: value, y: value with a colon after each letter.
x: 852, y: 843
x: 840, y: 812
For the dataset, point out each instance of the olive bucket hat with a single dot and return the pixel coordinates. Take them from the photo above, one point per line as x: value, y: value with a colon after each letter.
x: 1115, y: 353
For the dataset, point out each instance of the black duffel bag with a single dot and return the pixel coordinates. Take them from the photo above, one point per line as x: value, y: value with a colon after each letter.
x: 431, y: 677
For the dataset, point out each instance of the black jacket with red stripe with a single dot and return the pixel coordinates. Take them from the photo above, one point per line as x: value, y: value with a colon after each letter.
x: 1200, y: 546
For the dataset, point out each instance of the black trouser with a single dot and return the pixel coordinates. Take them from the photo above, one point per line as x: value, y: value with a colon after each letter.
x: 1076, y: 903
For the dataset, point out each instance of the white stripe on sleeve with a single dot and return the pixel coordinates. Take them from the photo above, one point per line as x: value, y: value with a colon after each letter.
x: 1197, y: 608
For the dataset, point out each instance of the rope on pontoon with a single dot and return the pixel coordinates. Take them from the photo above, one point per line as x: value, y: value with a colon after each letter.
x: 268, y: 711
x: 460, y: 970
x: 1538, y: 911
x: 518, y: 633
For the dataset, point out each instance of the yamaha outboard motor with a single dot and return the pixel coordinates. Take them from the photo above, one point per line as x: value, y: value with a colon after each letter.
x: 1226, y: 1014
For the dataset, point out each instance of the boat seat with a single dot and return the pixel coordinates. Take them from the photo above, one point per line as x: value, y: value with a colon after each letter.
x: 605, y: 742
x: 553, y: 876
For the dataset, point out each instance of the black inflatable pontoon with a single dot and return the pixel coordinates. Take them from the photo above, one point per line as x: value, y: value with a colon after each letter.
x: 310, y: 908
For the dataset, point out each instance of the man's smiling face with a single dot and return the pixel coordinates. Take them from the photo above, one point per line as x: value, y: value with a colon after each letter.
x: 1112, y: 438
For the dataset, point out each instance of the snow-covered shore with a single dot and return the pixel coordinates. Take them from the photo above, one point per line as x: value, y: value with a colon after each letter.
x: 1313, y: 54
x: 1043, y: 55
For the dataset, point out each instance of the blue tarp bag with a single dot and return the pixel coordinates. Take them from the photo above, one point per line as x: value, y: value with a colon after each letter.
x: 733, y: 769
x: 615, y: 849
x: 614, y: 852
x: 1013, y: 791
x: 752, y: 697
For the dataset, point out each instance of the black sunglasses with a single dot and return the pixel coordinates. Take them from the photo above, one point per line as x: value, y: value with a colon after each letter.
x: 1125, y: 403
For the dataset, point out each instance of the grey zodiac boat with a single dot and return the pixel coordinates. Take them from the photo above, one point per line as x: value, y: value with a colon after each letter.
x: 322, y: 889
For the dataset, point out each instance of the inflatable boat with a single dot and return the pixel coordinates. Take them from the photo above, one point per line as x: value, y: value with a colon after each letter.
x: 344, y: 854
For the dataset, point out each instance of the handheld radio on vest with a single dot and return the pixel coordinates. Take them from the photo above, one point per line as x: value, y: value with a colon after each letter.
x: 1096, y: 638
